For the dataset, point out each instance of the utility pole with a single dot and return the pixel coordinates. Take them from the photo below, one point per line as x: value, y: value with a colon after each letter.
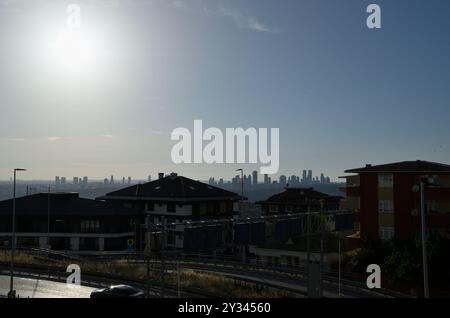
x: 147, y: 251
x: 178, y: 279
x: 13, y: 237
x: 322, y: 231
x: 163, y: 243
x: 339, y: 246
x: 426, y: 290
x: 48, y: 219
x: 308, y: 239
x: 242, y: 200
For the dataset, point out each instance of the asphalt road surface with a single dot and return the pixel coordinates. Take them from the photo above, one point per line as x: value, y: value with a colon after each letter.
x: 36, y: 288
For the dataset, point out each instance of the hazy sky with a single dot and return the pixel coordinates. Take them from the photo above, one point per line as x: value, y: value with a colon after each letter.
x: 341, y: 94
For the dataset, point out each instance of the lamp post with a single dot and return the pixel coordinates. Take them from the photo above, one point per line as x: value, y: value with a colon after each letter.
x: 48, y: 220
x: 339, y: 282
x: 423, y: 183
x: 241, y: 207
x: 13, y: 236
x: 147, y: 251
x: 242, y: 183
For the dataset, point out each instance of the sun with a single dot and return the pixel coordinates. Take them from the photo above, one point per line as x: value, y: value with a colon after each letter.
x: 73, y: 50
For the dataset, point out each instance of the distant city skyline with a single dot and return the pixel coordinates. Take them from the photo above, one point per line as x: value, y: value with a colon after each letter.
x: 341, y: 94
x: 117, y: 179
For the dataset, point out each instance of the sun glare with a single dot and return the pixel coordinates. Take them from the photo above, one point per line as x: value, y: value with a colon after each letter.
x: 73, y: 50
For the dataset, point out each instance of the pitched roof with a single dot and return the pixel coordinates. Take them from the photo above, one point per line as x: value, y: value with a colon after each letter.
x: 404, y: 166
x: 297, y: 196
x: 171, y: 188
x: 63, y: 204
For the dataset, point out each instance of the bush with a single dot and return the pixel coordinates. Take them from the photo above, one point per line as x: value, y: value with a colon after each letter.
x: 402, y: 260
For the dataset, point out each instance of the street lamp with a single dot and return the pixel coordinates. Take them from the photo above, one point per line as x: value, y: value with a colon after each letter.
x: 242, y: 183
x: 13, y: 237
x: 241, y: 208
x: 424, y: 181
x: 48, y: 220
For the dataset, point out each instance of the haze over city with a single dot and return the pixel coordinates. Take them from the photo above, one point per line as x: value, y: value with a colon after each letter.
x: 342, y: 95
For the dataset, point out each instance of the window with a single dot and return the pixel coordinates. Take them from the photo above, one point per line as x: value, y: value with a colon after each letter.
x: 386, y: 232
x: 90, y: 226
x: 385, y: 206
x: 385, y: 180
x: 150, y: 207
x: 171, y: 208
x: 289, y: 209
x: 273, y: 209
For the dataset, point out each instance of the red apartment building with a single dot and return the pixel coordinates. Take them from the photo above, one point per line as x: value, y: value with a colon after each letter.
x: 386, y: 199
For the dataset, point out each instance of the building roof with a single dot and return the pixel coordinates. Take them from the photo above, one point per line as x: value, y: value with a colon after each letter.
x: 63, y: 204
x: 171, y: 188
x: 405, y: 166
x: 297, y: 196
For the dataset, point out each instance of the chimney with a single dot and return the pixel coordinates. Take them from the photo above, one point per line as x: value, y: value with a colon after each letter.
x: 174, y: 174
x: 160, y: 175
x: 368, y: 165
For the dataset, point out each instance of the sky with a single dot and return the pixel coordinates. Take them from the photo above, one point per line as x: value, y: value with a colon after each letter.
x: 341, y: 94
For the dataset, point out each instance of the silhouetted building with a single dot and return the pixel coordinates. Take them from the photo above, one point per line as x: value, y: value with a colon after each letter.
x: 305, y: 177
x: 255, y: 177
x: 178, y: 199
x: 386, y: 199
x: 297, y: 200
x: 283, y: 180
x: 76, y: 224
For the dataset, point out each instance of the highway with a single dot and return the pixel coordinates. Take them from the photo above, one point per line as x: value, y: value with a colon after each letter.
x: 37, y: 288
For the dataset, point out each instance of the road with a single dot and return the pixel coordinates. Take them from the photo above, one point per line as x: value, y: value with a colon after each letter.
x: 37, y: 288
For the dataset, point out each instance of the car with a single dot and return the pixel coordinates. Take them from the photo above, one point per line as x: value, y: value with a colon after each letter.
x: 118, y: 291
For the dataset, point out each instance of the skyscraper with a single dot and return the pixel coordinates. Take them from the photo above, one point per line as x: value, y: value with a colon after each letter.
x: 283, y: 180
x: 310, y: 176
x: 304, y: 177
x: 255, y: 177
